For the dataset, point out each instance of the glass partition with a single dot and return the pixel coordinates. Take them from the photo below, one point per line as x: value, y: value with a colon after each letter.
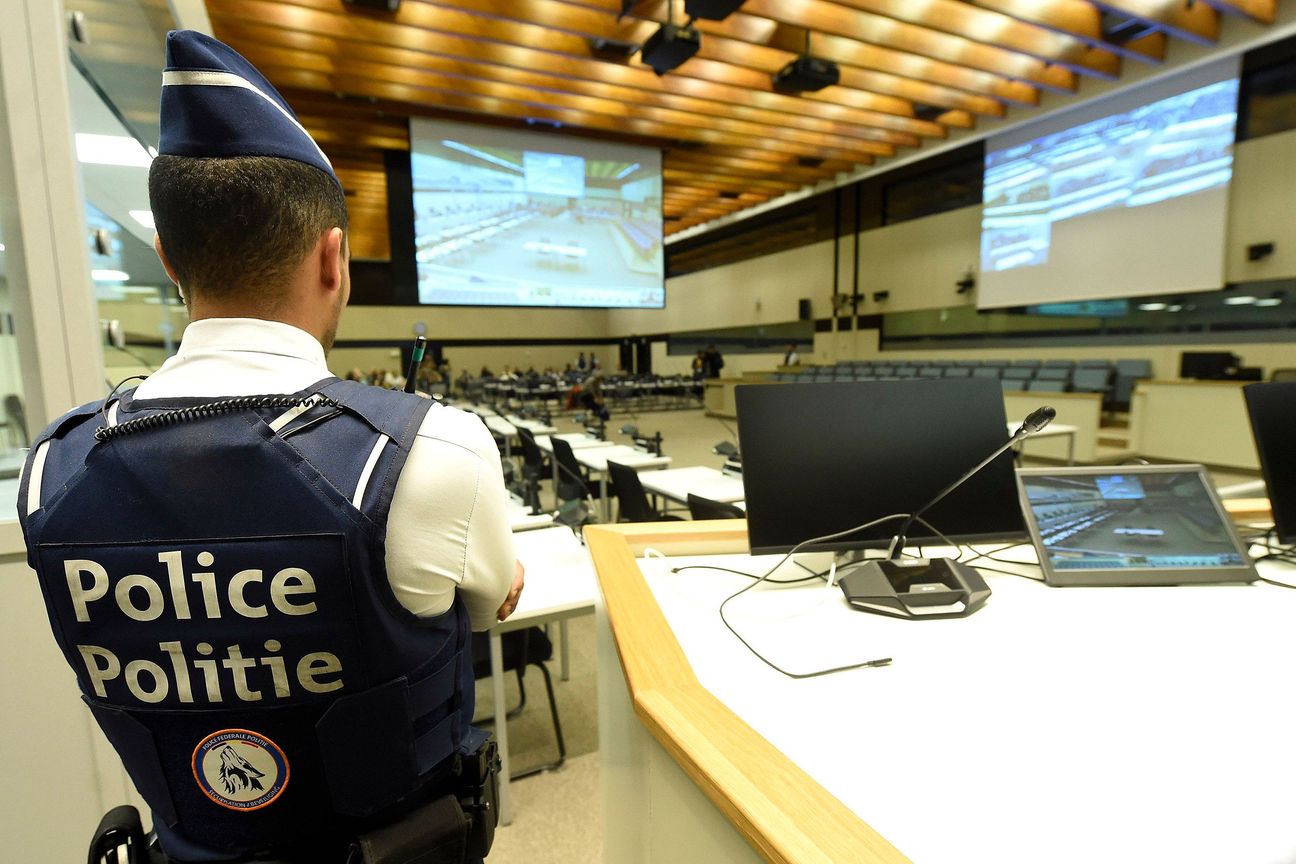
x: 15, y: 433
x: 114, y: 81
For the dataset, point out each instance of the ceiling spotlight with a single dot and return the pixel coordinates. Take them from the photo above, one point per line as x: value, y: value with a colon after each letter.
x: 1152, y: 307
x: 1240, y: 300
x: 806, y: 74
x: 1275, y: 300
x: 710, y: 10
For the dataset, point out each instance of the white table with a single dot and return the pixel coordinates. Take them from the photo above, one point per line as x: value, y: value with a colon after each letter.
x: 559, y: 585
x: 597, y: 458
x: 1064, y: 725
x: 578, y: 441
x: 1053, y: 430
x: 535, y: 427
x: 677, y: 483
x: 522, y: 519
x: 507, y: 427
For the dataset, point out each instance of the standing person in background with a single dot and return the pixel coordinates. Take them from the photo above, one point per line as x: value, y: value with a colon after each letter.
x: 582, y: 365
x: 790, y: 357
x: 595, y: 365
x: 713, y: 361
x: 699, y: 372
x: 350, y: 539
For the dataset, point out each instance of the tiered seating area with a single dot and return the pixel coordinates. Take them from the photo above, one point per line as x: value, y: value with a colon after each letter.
x: 1115, y: 381
x: 550, y: 392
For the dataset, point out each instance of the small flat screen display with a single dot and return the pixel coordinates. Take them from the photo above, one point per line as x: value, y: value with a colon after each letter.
x: 1129, y: 519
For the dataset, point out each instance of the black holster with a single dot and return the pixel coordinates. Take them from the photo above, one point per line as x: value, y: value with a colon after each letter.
x: 456, y: 827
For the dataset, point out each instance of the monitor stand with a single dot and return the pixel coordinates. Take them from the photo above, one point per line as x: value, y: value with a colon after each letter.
x: 911, y: 587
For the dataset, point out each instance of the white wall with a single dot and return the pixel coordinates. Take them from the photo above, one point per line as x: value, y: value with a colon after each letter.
x: 1260, y: 208
x: 762, y: 290
x: 919, y: 261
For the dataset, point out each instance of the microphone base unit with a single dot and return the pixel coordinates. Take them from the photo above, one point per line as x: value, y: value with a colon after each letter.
x: 914, y: 588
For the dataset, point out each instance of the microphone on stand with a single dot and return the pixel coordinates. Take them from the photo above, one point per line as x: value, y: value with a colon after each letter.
x: 416, y: 358
x: 928, y: 587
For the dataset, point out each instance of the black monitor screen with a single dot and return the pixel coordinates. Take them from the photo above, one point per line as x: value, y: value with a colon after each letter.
x: 1273, y: 417
x: 1206, y: 365
x: 821, y: 458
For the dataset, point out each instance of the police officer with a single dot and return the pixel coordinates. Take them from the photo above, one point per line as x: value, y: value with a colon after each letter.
x: 265, y: 578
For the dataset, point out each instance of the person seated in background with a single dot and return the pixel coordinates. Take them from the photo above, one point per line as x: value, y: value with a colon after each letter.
x: 356, y: 375
x: 790, y: 357
x: 486, y: 372
x: 589, y: 396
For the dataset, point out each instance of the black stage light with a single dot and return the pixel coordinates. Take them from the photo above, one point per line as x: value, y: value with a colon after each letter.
x: 805, y: 74
x: 670, y: 46
x: 711, y: 10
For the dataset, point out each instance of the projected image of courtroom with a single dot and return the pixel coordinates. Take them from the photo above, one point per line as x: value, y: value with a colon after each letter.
x: 1115, y: 521
x: 503, y: 218
x: 1169, y: 149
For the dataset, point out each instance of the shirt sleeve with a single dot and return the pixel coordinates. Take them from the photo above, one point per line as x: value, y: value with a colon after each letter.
x: 448, y: 527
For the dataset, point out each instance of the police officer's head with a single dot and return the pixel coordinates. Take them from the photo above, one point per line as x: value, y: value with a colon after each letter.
x: 251, y: 219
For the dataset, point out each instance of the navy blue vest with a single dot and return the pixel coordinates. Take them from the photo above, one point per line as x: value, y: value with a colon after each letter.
x: 225, y: 605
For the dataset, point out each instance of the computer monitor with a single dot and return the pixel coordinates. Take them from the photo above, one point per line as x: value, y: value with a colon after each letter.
x: 1131, y: 525
x: 1207, y: 365
x: 1273, y: 417
x: 822, y: 458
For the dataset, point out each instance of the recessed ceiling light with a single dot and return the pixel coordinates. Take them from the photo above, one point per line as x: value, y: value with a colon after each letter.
x: 1269, y: 301
x: 2, y: 247
x: 1152, y: 307
x: 121, y: 150
x: 1174, y: 307
x: 1243, y: 300
x: 110, y: 275
x: 143, y: 217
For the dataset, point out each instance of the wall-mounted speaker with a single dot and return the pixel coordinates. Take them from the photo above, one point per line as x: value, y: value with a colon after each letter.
x: 1256, y: 251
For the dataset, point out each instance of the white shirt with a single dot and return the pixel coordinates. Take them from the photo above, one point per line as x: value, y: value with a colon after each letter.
x: 448, y: 525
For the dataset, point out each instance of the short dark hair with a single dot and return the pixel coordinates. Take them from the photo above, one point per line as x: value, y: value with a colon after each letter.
x: 238, y: 226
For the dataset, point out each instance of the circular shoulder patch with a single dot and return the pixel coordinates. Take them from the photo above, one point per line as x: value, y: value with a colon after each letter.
x: 240, y: 770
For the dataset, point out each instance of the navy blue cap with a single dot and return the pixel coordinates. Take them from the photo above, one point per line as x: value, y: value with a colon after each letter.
x: 216, y: 104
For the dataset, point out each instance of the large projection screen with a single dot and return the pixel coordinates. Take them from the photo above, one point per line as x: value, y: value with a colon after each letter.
x: 1124, y: 197
x: 513, y: 218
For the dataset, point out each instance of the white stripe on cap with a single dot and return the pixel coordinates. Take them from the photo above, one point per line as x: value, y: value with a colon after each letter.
x: 200, y: 78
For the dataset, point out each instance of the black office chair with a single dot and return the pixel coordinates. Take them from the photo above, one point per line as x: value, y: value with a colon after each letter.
x: 535, y: 468
x: 705, y: 508
x: 632, y: 500
x: 573, y: 483
x: 522, y: 648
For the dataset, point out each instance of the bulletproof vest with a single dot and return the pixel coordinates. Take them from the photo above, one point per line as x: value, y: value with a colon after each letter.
x: 214, y: 573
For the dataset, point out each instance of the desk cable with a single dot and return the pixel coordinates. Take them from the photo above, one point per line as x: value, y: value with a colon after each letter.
x: 757, y: 580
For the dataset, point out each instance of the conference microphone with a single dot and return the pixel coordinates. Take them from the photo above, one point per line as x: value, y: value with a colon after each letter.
x: 416, y: 359
x: 929, y: 587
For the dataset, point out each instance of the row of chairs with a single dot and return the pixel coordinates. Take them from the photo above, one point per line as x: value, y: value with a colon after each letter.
x: 633, y: 504
x: 1114, y: 381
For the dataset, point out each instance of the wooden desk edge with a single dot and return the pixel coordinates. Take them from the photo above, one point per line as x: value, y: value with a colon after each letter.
x: 785, y: 815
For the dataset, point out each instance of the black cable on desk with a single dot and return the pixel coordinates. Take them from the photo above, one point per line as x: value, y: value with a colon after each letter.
x: 881, y: 661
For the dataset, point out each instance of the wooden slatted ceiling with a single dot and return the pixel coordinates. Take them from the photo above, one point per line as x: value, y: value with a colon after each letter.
x: 910, y: 71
